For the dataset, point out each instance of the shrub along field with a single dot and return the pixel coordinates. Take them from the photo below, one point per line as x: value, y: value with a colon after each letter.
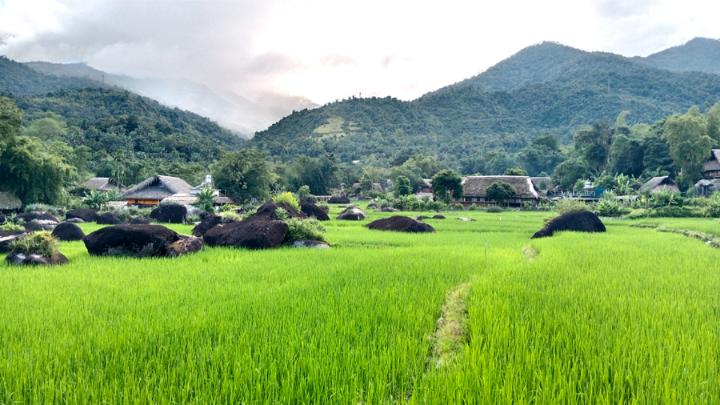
x: 627, y: 316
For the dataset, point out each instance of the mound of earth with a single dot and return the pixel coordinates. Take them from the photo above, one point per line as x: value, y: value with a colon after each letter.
x: 68, y: 231
x: 35, y: 259
x: 39, y: 215
x: 313, y: 210
x: 169, y: 213
x: 253, y: 233
x: 400, y: 224
x: 268, y: 211
x: 86, y: 214
x: 352, y: 214
x: 140, y: 241
x: 339, y: 199
x: 208, y: 221
x: 40, y: 225
x: 108, y: 218
x: 581, y: 221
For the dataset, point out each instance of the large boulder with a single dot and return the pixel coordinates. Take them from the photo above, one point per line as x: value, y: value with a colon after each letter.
x: 108, y: 218
x: 137, y: 240
x: 86, y: 214
x: 67, y: 231
x: 339, y: 199
x: 39, y: 215
x: 169, y: 213
x: 400, y: 224
x: 268, y: 211
x: 208, y: 221
x: 254, y: 233
x: 35, y: 259
x: 40, y: 225
x: 313, y: 210
x: 352, y: 214
x: 579, y: 221
x: 185, y: 245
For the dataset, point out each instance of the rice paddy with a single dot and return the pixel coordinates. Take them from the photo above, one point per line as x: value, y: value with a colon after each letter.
x: 632, y: 315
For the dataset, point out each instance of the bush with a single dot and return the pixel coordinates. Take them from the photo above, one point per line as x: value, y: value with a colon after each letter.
x: 608, y: 206
x: 305, y: 229
x: 566, y: 206
x: 674, y: 212
x: 638, y: 213
x: 11, y: 227
x: 44, y: 208
x: 303, y: 192
x: 473, y: 207
x: 287, y: 198
x: 38, y: 243
x: 712, y: 206
x: 231, y: 215
x: 665, y: 198
x: 457, y: 207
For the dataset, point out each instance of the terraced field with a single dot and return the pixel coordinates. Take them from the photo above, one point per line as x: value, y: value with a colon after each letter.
x: 632, y: 315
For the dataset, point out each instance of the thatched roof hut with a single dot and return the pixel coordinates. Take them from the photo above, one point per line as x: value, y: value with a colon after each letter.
x: 711, y: 167
x: 659, y: 183
x: 100, y: 184
x: 9, y: 202
x: 475, y: 189
x: 154, y: 189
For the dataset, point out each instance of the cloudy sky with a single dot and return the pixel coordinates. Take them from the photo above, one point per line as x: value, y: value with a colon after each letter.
x: 329, y: 49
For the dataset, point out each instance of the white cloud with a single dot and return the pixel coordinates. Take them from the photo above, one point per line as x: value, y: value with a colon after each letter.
x: 330, y: 49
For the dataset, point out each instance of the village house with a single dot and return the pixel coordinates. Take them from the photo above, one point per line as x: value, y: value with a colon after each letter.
x: 425, y: 189
x: 191, y: 197
x: 659, y: 183
x: 9, y: 202
x: 100, y: 184
x: 151, y: 191
x: 711, y: 175
x: 475, y: 190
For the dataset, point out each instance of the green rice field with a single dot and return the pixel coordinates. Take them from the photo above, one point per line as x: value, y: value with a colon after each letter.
x: 628, y: 316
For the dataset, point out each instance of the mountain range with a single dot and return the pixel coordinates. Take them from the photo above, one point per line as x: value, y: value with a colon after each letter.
x: 547, y: 88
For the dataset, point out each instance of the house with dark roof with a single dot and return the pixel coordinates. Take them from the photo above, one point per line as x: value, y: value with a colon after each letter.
x: 711, y: 167
x: 9, y: 202
x: 659, y: 183
x: 100, y: 184
x: 151, y: 191
x: 475, y: 190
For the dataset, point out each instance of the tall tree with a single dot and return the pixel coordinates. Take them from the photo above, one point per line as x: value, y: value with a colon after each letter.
x: 319, y: 173
x: 403, y: 186
x: 447, y: 184
x: 689, y: 144
x: 593, y: 145
x: 626, y: 156
x: 243, y: 175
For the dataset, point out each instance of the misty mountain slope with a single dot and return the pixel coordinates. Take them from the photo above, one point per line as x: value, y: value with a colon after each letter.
x: 698, y: 55
x: 229, y: 109
x: 547, y: 88
x: 19, y: 80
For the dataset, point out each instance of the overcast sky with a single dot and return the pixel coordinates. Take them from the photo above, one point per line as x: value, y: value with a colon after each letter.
x: 330, y: 49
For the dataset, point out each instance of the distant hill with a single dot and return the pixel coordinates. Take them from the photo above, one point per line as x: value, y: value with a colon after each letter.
x: 546, y: 88
x: 698, y: 55
x: 229, y: 109
x: 112, y: 122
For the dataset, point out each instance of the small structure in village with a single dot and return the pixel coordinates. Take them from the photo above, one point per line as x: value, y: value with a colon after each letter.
x: 710, y: 182
x: 425, y: 189
x: 9, y: 202
x: 191, y: 197
x: 659, y: 183
x: 151, y: 191
x: 100, y: 184
x: 544, y: 185
x: 475, y: 190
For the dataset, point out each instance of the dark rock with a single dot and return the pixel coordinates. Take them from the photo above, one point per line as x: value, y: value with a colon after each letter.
x: 352, y: 214
x: 185, y: 245
x: 7, y: 238
x: 313, y: 210
x: 421, y: 217
x: 313, y: 244
x: 40, y: 225
x: 268, y: 211
x: 579, y: 221
x: 108, y: 218
x: 35, y: 260
x: 208, y: 222
x: 33, y: 215
x: 86, y: 214
x: 400, y: 224
x: 438, y: 216
x: 132, y: 240
x: 75, y: 220
x: 339, y: 199
x: 169, y: 213
x: 255, y: 233
x: 67, y: 231
x: 388, y: 209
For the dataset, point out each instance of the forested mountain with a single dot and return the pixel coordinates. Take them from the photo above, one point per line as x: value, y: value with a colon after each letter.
x: 544, y: 89
x: 111, y: 131
x: 231, y: 110
x: 698, y: 55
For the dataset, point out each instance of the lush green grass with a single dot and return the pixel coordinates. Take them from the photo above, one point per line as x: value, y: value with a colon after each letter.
x: 631, y: 315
